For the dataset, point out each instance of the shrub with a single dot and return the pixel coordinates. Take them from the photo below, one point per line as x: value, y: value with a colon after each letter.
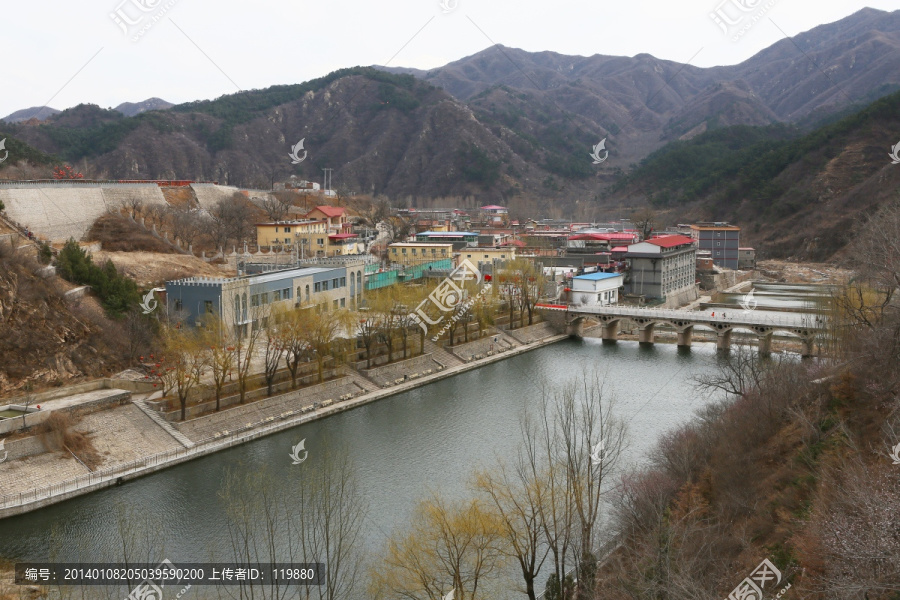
x: 116, y: 292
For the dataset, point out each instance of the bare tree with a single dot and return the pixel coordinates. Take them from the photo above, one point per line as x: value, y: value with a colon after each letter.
x: 276, y: 205
x: 315, y: 518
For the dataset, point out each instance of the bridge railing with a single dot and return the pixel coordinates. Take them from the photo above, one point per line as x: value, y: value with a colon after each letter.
x: 740, y: 317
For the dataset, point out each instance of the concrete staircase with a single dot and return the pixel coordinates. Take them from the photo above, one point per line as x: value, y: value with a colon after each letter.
x: 157, y: 418
x: 365, y: 383
x: 442, y: 356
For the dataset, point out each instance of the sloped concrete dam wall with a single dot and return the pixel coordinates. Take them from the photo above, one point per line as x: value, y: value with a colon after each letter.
x: 62, y: 211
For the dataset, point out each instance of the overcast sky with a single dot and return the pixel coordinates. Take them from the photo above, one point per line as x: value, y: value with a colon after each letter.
x: 62, y: 53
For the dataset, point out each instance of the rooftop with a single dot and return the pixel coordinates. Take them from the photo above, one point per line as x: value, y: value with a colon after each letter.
x: 446, y: 233
x: 670, y: 241
x: 598, y: 276
x: 329, y: 211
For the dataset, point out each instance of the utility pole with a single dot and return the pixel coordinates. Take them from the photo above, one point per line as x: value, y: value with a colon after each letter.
x: 326, y: 180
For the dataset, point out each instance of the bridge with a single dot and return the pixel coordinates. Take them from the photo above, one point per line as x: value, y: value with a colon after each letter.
x: 722, y: 322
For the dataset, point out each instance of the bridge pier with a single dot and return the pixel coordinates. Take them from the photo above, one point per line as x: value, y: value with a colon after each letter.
x: 685, y: 336
x: 645, y: 333
x: 610, y: 330
x: 808, y: 343
x: 765, y: 343
x: 723, y: 340
x: 575, y: 328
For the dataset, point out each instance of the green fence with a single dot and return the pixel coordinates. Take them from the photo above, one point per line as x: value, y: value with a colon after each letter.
x: 375, y: 281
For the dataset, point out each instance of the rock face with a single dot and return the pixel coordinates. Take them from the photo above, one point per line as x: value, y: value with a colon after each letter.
x: 44, y: 341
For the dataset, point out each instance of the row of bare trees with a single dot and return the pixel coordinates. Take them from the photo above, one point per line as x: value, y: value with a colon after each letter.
x: 279, y: 337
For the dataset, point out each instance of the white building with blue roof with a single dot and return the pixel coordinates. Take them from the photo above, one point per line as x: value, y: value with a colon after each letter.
x: 597, y: 289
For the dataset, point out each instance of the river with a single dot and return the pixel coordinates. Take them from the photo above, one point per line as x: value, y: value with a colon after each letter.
x: 428, y: 438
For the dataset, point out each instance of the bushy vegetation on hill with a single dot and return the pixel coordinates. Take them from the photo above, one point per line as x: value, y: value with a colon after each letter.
x: 744, y: 162
x: 117, y: 292
x: 19, y: 150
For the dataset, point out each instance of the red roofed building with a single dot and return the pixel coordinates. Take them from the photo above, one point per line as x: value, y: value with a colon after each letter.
x: 335, y: 216
x: 663, y: 268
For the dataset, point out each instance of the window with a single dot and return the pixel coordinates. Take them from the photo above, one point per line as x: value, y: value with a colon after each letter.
x: 286, y: 294
x: 287, y: 240
x: 343, y: 282
x: 433, y: 251
x: 334, y: 283
x: 276, y: 230
x: 276, y: 296
x: 403, y: 250
x: 321, y: 241
x: 393, y: 250
x: 325, y: 286
x: 178, y: 306
x: 343, y: 304
x: 318, y: 287
x: 299, y: 295
x: 307, y: 292
x: 254, y: 300
x: 287, y: 230
x: 335, y: 305
x: 413, y: 250
x: 208, y: 306
x: 443, y: 252
x: 264, y: 298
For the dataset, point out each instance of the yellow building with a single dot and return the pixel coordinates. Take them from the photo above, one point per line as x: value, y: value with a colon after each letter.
x: 286, y: 233
x: 416, y: 253
x: 478, y: 256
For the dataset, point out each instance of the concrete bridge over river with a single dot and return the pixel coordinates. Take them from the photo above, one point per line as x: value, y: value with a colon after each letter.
x: 722, y: 322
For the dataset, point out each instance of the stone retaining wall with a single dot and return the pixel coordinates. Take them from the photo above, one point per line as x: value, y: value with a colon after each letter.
x: 401, y: 370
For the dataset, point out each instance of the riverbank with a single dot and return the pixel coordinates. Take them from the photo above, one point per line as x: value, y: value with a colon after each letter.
x: 176, y: 453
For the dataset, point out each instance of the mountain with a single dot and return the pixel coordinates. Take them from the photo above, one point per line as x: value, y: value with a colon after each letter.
x: 503, y: 126
x: 797, y: 194
x: 642, y: 102
x: 130, y: 109
x: 35, y: 112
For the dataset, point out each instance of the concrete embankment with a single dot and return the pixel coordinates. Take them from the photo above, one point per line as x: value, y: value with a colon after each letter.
x: 35, y: 499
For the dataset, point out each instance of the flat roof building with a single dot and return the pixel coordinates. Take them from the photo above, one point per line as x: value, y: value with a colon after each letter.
x: 661, y: 268
x: 597, y: 289
x: 721, y: 239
